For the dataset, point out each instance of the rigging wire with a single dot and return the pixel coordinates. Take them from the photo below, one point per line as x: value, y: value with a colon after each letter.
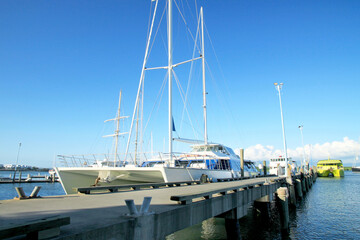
x: 223, y: 101
x: 141, y: 79
x: 191, y: 71
x: 187, y: 26
x: 157, y: 30
x: 181, y: 91
x: 160, y: 94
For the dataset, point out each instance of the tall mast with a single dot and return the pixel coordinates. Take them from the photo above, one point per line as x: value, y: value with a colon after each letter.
x: 170, y: 66
x: 203, y: 74
x: 117, y: 130
x: 136, y: 134
x: 141, y: 79
x: 17, y: 160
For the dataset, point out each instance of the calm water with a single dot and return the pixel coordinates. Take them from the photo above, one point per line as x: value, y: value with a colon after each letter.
x: 330, y: 210
x: 7, y: 191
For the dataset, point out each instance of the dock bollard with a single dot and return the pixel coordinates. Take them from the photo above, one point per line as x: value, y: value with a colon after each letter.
x: 131, y: 206
x: 35, y: 192
x: 144, y: 207
x: 146, y: 204
x: 20, y: 193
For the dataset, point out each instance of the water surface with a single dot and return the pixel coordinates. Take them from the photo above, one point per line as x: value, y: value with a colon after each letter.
x: 7, y: 190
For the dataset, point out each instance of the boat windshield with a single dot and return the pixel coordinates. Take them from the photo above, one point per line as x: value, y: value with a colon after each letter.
x: 213, y: 148
x: 329, y: 164
x: 231, y: 151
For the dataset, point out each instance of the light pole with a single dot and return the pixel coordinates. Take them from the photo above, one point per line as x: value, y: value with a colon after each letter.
x: 17, y: 160
x: 302, y: 140
x: 278, y: 87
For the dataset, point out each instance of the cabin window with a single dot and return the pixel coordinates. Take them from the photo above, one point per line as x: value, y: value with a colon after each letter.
x: 224, y: 164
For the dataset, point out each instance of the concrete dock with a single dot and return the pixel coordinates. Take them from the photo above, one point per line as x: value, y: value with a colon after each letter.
x: 106, y: 216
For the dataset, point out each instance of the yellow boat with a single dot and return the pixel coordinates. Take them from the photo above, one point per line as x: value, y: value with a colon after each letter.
x: 328, y: 168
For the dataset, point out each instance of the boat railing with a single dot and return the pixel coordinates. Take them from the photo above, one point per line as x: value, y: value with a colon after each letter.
x: 106, y: 159
x: 182, y: 159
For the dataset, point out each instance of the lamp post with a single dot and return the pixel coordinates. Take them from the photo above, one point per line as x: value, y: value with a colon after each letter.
x: 278, y: 87
x: 302, y: 140
x: 17, y: 160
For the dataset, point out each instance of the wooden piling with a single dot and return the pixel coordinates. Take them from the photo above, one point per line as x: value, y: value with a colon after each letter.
x: 264, y: 167
x: 232, y: 227
x: 307, y: 183
x: 292, y: 195
x: 290, y: 182
x: 263, y: 206
x: 298, y: 188
x: 303, y: 186
x: 282, y: 199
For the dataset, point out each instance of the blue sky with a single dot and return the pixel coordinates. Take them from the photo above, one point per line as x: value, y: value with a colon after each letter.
x: 63, y: 63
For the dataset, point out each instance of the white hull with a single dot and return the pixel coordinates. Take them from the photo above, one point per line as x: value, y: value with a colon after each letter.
x: 275, y: 171
x: 75, y: 177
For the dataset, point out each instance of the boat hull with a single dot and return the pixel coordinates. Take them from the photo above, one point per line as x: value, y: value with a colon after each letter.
x: 330, y: 168
x: 355, y: 169
x: 72, y: 177
x: 329, y: 173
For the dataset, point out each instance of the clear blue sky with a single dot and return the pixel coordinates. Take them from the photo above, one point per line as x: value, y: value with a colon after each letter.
x: 62, y: 64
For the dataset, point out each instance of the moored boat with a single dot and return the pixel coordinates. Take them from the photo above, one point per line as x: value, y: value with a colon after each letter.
x: 206, y: 158
x: 277, y: 165
x: 356, y: 168
x: 330, y: 168
x: 214, y: 160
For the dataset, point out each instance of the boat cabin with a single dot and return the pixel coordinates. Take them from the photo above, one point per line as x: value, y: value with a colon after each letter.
x: 277, y: 165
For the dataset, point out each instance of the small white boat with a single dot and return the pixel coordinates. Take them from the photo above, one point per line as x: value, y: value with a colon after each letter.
x: 355, y: 167
x: 277, y: 165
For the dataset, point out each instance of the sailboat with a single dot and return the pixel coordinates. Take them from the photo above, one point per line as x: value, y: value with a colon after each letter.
x: 205, y: 158
x: 356, y: 168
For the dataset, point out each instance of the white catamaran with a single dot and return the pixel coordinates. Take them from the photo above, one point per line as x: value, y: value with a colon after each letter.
x: 212, y: 159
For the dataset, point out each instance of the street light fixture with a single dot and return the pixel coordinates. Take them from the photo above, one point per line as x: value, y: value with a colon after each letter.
x: 278, y: 87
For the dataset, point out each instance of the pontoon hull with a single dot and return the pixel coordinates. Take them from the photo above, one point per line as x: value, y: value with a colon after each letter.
x: 328, y: 173
x: 72, y: 177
